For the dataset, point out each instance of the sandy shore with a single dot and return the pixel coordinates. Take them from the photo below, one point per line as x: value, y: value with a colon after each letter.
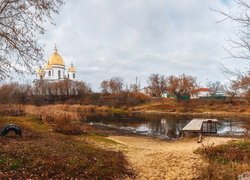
x: 156, y: 159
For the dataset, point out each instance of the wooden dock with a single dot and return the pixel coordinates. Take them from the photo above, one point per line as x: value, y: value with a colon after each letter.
x: 201, y: 126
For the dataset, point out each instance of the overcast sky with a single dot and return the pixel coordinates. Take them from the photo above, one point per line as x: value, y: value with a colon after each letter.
x: 129, y: 38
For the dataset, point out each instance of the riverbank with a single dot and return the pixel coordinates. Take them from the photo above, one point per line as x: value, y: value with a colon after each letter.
x: 49, y: 151
x: 197, y: 107
x: 152, y: 158
x: 201, y: 114
x: 193, y: 107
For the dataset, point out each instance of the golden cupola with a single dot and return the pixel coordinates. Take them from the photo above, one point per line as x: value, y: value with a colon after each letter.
x: 72, y: 68
x: 56, y: 59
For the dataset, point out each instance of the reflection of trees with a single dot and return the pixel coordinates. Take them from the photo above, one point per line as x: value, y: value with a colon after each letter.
x: 169, y: 127
x: 157, y: 124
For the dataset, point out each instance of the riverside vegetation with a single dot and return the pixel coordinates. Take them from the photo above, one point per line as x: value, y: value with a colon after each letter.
x: 226, y: 161
x: 49, y: 147
x: 57, y: 143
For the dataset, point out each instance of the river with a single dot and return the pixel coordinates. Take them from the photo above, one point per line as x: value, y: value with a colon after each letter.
x: 163, y: 126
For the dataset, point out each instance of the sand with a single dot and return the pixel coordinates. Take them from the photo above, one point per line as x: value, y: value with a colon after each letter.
x: 151, y: 158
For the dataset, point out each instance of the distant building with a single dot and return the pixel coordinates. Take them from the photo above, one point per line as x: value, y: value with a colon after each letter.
x: 55, y: 69
x: 200, y: 93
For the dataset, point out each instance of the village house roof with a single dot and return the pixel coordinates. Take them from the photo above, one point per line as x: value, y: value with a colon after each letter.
x: 201, y: 90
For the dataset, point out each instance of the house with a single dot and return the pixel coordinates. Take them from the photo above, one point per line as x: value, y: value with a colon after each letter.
x: 200, y: 93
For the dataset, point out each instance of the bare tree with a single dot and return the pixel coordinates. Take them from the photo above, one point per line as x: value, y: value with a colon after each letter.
x: 232, y: 90
x: 156, y: 85
x: 21, y: 21
x: 242, y: 41
x: 81, y: 88
x: 114, y: 85
x: 215, y: 87
x: 180, y: 86
x: 240, y: 46
x: 134, y: 87
x: 105, y: 87
x: 15, y: 93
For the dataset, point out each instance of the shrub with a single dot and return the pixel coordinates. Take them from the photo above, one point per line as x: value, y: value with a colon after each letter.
x: 226, y: 161
x: 233, y: 151
x: 69, y: 129
x: 12, y: 110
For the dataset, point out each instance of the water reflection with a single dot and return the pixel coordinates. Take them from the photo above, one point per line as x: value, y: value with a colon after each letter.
x: 163, y: 126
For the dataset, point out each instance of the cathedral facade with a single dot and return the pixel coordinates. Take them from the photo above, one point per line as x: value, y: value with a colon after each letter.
x: 55, y: 69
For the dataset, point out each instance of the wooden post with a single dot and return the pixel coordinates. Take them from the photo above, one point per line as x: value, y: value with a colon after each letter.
x: 216, y: 127
x: 200, y: 138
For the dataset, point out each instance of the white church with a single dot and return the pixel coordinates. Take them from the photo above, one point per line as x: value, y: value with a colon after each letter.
x: 55, y: 69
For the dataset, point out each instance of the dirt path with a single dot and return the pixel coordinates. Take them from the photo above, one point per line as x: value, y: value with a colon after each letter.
x: 157, y: 159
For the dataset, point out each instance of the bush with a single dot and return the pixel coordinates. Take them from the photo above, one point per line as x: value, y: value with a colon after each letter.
x: 226, y: 161
x: 12, y: 110
x: 69, y: 129
x: 233, y: 151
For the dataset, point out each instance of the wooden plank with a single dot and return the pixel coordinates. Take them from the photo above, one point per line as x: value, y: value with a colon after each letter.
x: 195, y: 125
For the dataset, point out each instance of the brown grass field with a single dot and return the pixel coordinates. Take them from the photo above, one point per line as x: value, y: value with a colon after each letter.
x: 43, y: 152
x: 57, y: 144
x: 196, y: 106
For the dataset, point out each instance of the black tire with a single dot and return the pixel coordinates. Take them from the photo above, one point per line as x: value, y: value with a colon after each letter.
x: 11, y: 127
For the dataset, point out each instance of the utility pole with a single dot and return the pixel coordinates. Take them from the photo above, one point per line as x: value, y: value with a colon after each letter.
x: 136, y: 85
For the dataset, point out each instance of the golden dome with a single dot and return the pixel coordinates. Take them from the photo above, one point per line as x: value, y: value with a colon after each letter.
x: 72, y: 68
x: 56, y: 59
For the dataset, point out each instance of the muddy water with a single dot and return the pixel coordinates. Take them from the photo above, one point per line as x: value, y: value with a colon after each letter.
x: 164, y: 126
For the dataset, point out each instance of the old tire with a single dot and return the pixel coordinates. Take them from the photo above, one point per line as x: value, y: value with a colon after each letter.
x: 11, y: 127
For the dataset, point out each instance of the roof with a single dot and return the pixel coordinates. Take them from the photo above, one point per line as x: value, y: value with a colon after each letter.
x: 196, y: 124
x: 72, y: 69
x: 201, y: 90
x: 56, y: 59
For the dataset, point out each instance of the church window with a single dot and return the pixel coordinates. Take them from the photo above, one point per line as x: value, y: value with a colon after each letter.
x: 49, y: 73
x: 68, y: 76
x: 59, y: 74
x: 74, y: 75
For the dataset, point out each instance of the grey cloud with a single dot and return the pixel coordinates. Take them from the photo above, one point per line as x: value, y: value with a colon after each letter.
x: 107, y: 38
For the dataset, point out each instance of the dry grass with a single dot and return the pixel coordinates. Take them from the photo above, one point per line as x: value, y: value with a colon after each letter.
x: 12, y: 110
x: 52, y: 114
x: 45, y: 154
x: 226, y: 161
x: 29, y: 122
x: 65, y: 119
x: 72, y: 128
x: 196, y: 106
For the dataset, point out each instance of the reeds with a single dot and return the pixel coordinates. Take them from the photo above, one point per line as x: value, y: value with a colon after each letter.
x: 12, y: 110
x: 226, y: 161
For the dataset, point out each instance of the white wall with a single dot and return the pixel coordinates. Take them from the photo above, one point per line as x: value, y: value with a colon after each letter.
x: 71, y: 75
